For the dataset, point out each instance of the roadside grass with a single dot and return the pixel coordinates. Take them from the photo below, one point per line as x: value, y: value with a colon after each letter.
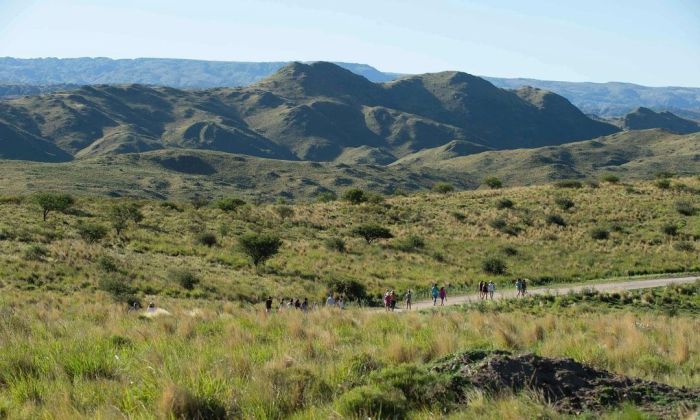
x: 83, y: 356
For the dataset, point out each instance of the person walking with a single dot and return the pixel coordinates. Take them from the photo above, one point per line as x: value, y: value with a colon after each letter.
x: 330, y: 301
x: 519, y: 287
x: 481, y: 290
x: 435, y: 292
x: 305, y: 305
x: 524, y: 286
x: 408, y: 298
x: 394, y: 299
x: 491, y: 288
x: 443, y: 296
x: 387, y: 300
x: 268, y: 304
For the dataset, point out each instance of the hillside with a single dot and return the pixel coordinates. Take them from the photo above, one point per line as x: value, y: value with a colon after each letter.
x: 304, y: 111
x: 630, y: 154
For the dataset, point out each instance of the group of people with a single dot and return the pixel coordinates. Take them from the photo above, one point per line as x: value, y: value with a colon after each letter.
x: 521, y: 287
x: 391, y: 298
x: 288, y: 303
x: 438, y: 292
x: 486, y: 290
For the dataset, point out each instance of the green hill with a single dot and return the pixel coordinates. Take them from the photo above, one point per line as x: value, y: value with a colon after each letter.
x: 304, y: 111
x: 644, y: 118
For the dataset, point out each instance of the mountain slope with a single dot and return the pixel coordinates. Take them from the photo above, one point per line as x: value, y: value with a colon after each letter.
x: 644, y: 118
x: 304, y: 111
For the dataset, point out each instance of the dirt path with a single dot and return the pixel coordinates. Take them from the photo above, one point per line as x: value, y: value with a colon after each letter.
x: 602, y: 287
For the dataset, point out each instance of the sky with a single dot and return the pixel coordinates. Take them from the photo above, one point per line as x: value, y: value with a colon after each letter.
x: 650, y: 42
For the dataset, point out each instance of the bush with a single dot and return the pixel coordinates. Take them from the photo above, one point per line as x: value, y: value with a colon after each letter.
x: 600, y: 234
x: 118, y: 288
x: 206, y: 239
x: 502, y: 226
x: 410, y: 243
x: 564, y: 203
x: 555, y: 219
x: 108, y: 264
x: 374, y: 198
x: 663, y: 184
x: 664, y: 175
x: 670, y: 229
x: 610, y: 178
x: 685, y: 208
x: 355, y: 196
x: 335, y: 244
x: 91, y: 232
x: 443, y: 188
x: 185, y: 278
x: 284, y: 212
x: 370, y: 233
x: 229, y: 204
x: 684, y: 246
x: 326, y: 197
x: 493, y: 183
x: 259, y: 247
x: 504, y: 203
x: 198, y: 201
x: 510, y: 251
x: 36, y: 253
x: 495, y: 266
x: 171, y: 206
x: 53, y: 202
x: 372, y: 402
x: 419, y: 386
x: 350, y: 288
x: 568, y: 183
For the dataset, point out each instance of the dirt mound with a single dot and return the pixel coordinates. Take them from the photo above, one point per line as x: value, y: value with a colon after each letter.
x: 568, y: 385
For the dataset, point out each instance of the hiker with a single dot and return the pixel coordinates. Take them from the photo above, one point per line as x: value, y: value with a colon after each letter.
x: 524, y: 286
x: 519, y: 287
x: 491, y: 287
x: 407, y: 298
x: 268, y: 304
x: 151, y: 307
x: 387, y: 300
x: 297, y: 304
x: 341, y: 303
x: 443, y: 296
x: 393, y: 301
x: 435, y: 291
x: 481, y: 290
x: 330, y: 301
x: 305, y: 305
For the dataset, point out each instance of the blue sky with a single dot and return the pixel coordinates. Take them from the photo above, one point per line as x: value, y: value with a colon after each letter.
x: 652, y: 42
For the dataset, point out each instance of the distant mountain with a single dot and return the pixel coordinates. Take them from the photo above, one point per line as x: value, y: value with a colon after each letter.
x: 644, y: 118
x: 302, y: 112
x: 39, y: 75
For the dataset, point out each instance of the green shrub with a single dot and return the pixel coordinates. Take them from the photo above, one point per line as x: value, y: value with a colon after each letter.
x: 206, y: 239
x: 670, y: 229
x: 36, y: 253
x: 284, y: 212
x: 493, y: 183
x: 370, y: 233
x: 410, y: 243
x: 420, y: 387
x: 185, y: 278
x: 610, y: 178
x: 664, y: 175
x: 443, y: 188
x: 568, y: 183
x: 684, y: 246
x: 118, y: 288
x: 49, y: 202
x: 230, y: 204
x: 372, y: 402
x: 504, y: 203
x: 564, y: 203
x: 171, y: 206
x: 350, y: 288
x: 121, y: 214
x: 555, y: 219
x: 108, y: 264
x: 259, y: 247
x: 198, y: 201
x: 91, y: 232
x: 458, y: 216
x: 663, y: 184
x: 600, y: 234
x: 685, y: 208
x: 335, y: 244
x: 509, y: 250
x: 374, y: 198
x: 495, y: 266
x: 502, y: 226
x: 355, y: 196
x: 326, y: 197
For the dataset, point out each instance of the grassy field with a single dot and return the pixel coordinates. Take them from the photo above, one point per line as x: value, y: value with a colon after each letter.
x: 443, y: 238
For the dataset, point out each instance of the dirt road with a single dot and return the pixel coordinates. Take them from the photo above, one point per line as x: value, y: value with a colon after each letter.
x: 602, y: 287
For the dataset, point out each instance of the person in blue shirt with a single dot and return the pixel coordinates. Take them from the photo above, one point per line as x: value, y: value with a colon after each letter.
x: 436, y: 292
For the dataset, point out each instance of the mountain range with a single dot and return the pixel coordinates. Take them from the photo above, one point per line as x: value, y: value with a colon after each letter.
x: 41, y: 75
x: 317, y: 112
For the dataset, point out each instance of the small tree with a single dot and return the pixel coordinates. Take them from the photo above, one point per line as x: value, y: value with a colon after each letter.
x: 355, y: 196
x: 53, y: 202
x: 443, y: 188
x: 284, y: 212
x: 564, y: 203
x: 121, y: 214
x: 259, y: 247
x: 555, y: 219
x: 371, y: 233
x: 600, y: 234
x: 229, y: 204
x: 493, y: 182
x: 504, y: 203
